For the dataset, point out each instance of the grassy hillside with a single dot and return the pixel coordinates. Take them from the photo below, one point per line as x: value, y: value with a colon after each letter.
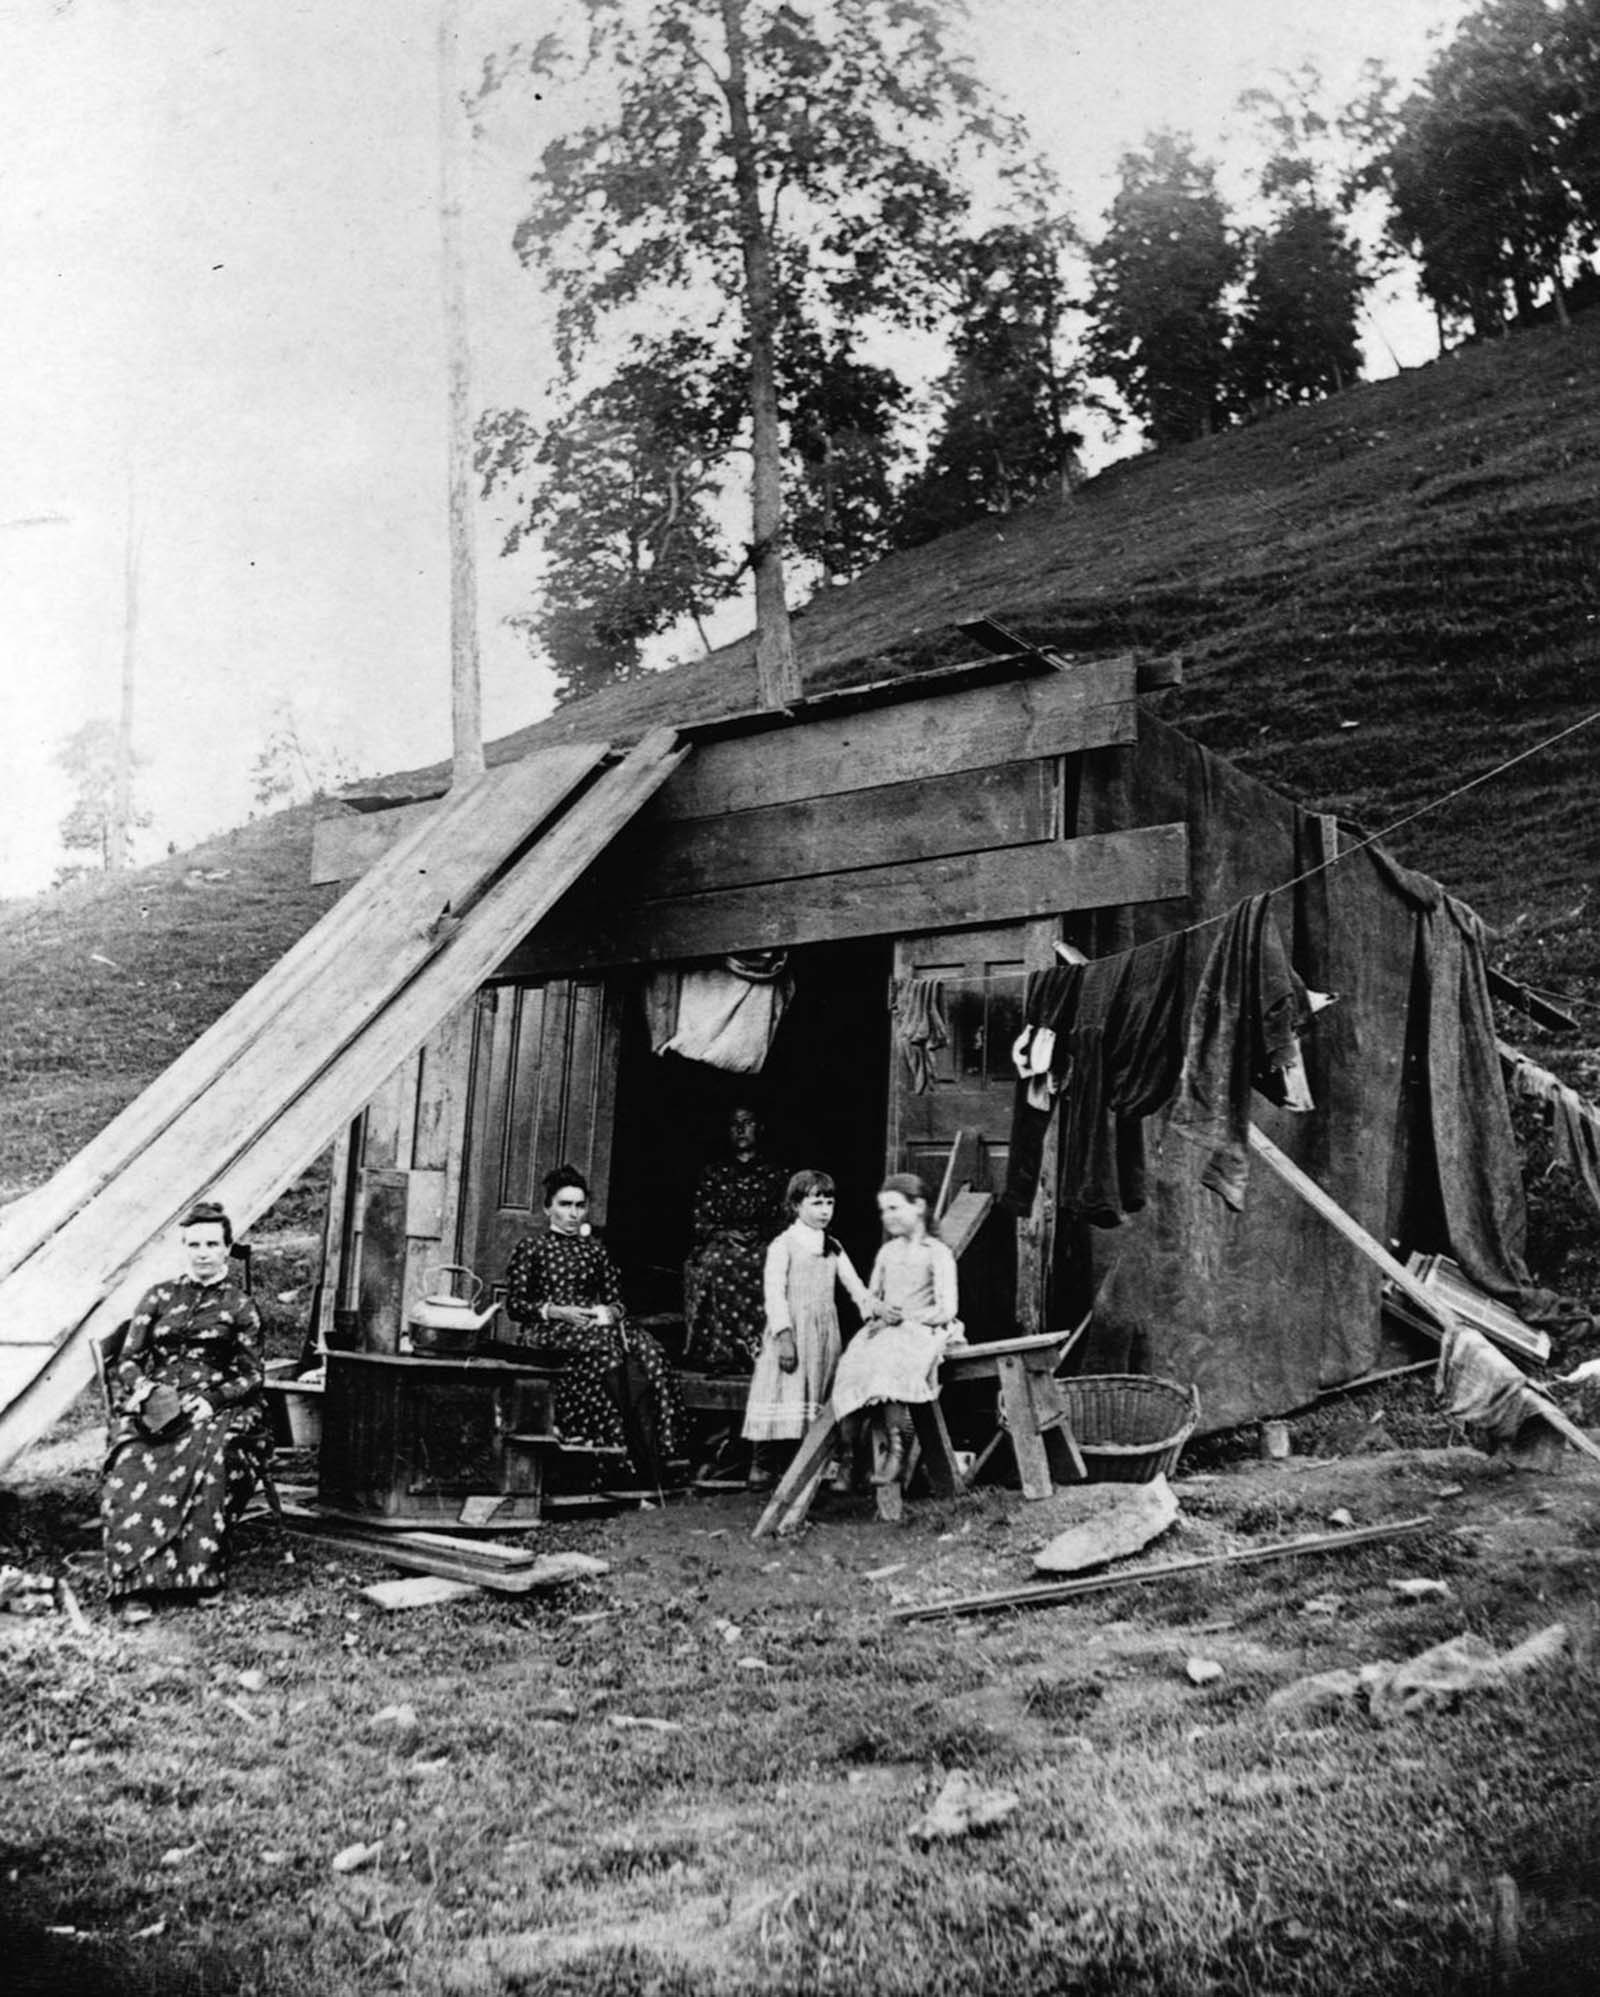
x: 1378, y: 597
x: 102, y: 983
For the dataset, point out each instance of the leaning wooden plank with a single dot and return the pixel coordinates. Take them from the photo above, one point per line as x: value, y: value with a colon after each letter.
x: 1433, y: 1308
x: 959, y: 1227
x: 1056, y: 714
x: 1421, y: 1294
x: 965, y: 1169
x: 1056, y: 1592
x: 248, y: 1161
x: 1103, y: 869
x: 385, y: 925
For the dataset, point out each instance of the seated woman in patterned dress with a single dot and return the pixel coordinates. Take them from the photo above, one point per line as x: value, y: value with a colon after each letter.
x: 740, y: 1206
x: 189, y: 1437
x: 616, y: 1388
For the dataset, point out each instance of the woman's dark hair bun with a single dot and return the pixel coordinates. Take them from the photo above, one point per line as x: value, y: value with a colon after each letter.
x: 209, y: 1213
x: 564, y: 1175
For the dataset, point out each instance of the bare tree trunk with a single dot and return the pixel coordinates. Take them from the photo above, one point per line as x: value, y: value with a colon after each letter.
x: 466, y: 704
x: 777, y: 670
x: 119, y: 834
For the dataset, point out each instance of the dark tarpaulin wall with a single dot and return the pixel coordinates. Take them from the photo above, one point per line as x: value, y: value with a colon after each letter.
x: 1264, y: 1309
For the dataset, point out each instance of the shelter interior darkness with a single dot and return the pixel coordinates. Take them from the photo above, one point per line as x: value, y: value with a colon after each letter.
x: 822, y: 1097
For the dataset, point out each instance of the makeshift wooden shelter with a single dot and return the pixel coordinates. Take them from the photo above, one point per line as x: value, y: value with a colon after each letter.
x: 473, y: 1011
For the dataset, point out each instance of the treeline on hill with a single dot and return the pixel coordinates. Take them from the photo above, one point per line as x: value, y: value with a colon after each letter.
x: 777, y: 190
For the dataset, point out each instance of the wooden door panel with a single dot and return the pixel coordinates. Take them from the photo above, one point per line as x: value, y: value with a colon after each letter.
x: 545, y: 1096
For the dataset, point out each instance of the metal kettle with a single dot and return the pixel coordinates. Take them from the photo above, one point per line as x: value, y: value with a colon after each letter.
x: 444, y: 1320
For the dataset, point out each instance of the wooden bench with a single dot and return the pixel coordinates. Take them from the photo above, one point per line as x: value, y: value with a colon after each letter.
x: 1031, y: 1407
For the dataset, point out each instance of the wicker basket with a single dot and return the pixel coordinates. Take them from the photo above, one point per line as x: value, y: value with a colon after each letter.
x: 1129, y: 1427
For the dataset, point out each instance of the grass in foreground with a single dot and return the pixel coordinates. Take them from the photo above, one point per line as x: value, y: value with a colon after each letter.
x: 179, y: 1813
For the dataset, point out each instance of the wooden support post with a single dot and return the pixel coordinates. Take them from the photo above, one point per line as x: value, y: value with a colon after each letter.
x: 1016, y: 1402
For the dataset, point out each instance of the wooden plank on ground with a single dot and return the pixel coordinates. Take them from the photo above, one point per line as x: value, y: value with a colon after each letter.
x: 330, y: 978
x: 1013, y: 804
x: 1149, y: 863
x: 1053, y: 1593
x: 1091, y: 706
x: 420, y: 1591
x: 90, y: 1273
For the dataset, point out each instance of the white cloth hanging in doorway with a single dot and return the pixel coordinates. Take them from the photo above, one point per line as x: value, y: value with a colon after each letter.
x: 724, y: 1015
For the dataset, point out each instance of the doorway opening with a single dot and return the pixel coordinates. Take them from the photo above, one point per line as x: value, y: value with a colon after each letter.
x: 822, y: 1097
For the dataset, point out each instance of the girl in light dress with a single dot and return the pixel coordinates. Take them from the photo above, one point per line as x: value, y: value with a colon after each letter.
x: 911, y: 1309
x: 805, y: 1268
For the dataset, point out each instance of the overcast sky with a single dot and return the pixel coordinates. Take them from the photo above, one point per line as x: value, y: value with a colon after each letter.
x: 218, y: 224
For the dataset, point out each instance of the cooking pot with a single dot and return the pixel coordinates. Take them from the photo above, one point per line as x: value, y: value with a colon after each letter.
x: 445, y: 1320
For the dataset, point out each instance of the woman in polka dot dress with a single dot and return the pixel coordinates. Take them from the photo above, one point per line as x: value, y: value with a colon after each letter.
x: 616, y: 1389
x: 189, y: 1436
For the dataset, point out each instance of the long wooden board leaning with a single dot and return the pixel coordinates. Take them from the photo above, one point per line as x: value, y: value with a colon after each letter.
x: 246, y: 1146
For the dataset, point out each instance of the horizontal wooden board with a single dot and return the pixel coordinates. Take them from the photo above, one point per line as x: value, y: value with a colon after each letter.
x: 1014, y: 805
x: 1084, y: 707
x: 1150, y: 863
x: 344, y: 847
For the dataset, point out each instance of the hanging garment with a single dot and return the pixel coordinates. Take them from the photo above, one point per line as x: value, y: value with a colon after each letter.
x: 1574, y: 1123
x: 918, y: 1007
x: 1115, y: 1034
x: 1244, y: 1026
x: 723, y: 1015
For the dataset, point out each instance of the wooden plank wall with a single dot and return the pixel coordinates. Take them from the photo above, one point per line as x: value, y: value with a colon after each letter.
x: 923, y: 816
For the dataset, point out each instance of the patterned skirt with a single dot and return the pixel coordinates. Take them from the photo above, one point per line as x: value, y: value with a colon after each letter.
x: 167, y: 1508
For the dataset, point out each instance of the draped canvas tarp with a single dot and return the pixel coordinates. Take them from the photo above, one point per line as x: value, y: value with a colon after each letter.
x: 1411, y: 1133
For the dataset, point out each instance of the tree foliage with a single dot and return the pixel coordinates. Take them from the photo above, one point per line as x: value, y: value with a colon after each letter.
x: 291, y: 769
x: 1490, y: 166
x: 1159, y: 304
x: 1296, y: 333
x: 780, y: 180
x: 1002, y: 437
x: 621, y: 489
x: 88, y: 756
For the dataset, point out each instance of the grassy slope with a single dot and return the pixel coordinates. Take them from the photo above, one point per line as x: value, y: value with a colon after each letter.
x: 1378, y: 596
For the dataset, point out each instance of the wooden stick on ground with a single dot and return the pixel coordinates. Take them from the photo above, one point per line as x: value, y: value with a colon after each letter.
x: 1055, y: 1592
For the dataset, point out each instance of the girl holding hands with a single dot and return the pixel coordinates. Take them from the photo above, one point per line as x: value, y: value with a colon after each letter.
x: 805, y: 1268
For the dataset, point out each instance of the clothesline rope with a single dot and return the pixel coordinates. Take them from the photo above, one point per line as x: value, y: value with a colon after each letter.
x: 1335, y: 859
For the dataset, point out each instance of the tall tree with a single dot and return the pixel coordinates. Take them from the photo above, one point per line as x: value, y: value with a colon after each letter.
x: 1296, y: 336
x: 621, y: 490
x: 800, y: 157
x: 1002, y: 438
x: 1159, y: 304
x: 1477, y: 162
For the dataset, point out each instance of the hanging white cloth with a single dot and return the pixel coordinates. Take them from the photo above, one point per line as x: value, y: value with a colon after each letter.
x: 724, y: 1015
